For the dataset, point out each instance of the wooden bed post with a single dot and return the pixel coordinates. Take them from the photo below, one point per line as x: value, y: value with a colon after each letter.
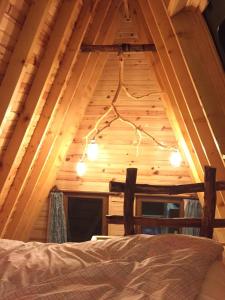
x: 209, y: 207
x: 128, y: 210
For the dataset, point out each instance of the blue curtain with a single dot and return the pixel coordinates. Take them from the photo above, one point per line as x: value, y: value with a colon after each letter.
x: 192, y: 209
x: 57, y: 232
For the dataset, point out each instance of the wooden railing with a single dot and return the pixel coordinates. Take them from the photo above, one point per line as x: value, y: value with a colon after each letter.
x: 206, y: 224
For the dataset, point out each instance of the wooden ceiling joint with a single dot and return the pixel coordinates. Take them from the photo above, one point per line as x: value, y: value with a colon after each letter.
x: 126, y: 9
x: 208, y: 75
x: 3, y: 5
x: 87, y: 64
x: 184, y: 141
x: 21, y: 54
x: 60, y: 33
x: 176, y: 6
x: 182, y: 85
x: 52, y: 109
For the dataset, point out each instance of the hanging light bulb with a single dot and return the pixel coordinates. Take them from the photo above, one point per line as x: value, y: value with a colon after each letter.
x: 92, y: 150
x: 175, y: 159
x: 81, y: 168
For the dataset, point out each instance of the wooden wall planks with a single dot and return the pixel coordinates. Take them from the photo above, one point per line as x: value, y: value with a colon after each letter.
x: 118, y: 143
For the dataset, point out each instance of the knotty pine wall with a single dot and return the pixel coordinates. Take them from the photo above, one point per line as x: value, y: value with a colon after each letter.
x: 39, y: 232
x: 11, y: 26
x: 118, y: 144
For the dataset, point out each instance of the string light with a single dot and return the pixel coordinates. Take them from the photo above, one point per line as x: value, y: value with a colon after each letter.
x: 81, y: 168
x: 91, y: 148
x: 175, y: 159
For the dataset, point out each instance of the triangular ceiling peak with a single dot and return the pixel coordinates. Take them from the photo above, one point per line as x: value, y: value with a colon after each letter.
x: 118, y: 143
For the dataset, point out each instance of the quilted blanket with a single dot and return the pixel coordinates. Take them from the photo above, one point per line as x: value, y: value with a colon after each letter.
x: 136, y: 267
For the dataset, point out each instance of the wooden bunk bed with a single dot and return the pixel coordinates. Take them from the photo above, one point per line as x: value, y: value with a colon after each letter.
x: 206, y: 224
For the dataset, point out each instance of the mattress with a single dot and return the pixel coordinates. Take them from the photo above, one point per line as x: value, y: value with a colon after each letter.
x: 136, y: 267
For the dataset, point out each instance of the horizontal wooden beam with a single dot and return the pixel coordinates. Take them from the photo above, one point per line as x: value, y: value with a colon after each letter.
x: 119, y: 187
x: 167, y: 222
x: 119, y: 48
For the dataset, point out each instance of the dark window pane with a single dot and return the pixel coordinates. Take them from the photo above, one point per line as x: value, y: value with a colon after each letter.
x: 84, y: 218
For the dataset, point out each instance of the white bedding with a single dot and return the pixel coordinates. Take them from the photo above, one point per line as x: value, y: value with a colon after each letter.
x: 137, y: 267
x: 213, y: 287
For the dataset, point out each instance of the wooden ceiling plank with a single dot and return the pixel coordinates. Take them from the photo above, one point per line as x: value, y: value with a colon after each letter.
x: 55, y: 159
x: 3, y: 5
x: 175, y: 86
x: 173, y: 113
x: 10, y: 202
x: 207, y: 74
x: 175, y: 118
x: 62, y: 28
x: 191, y: 89
x: 53, y: 103
x: 179, y: 77
x: 41, y: 165
x: 126, y: 9
x: 176, y: 6
x: 21, y: 54
x: 196, y: 163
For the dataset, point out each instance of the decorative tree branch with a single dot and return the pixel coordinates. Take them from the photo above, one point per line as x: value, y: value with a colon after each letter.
x: 93, y: 133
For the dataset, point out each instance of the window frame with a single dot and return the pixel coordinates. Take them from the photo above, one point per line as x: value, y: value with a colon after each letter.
x: 105, y: 205
x: 139, y: 199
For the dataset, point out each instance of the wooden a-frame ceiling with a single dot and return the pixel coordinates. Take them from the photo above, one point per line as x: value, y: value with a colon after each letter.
x: 47, y: 83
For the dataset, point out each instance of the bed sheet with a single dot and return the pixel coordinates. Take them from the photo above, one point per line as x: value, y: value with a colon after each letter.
x: 213, y: 287
x: 137, y: 267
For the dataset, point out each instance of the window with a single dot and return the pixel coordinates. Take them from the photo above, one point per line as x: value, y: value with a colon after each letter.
x: 85, y: 216
x: 158, y: 207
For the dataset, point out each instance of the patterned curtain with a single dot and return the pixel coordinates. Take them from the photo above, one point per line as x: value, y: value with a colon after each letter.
x: 192, y: 209
x: 57, y: 232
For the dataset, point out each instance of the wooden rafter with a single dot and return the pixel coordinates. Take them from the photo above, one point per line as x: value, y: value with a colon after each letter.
x: 57, y: 119
x: 3, y: 6
x: 47, y: 156
x: 79, y: 104
x: 49, y: 111
x: 21, y: 54
x: 184, y: 91
x: 175, y: 6
x: 176, y: 120
x: 172, y: 62
x: 183, y: 132
x: 62, y: 28
x: 126, y: 9
x: 205, y: 70
x: 55, y: 159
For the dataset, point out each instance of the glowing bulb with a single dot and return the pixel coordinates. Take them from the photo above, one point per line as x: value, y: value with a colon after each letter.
x: 92, y: 150
x: 175, y: 159
x: 81, y: 168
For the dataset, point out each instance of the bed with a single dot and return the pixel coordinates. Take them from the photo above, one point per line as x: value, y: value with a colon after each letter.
x: 132, y: 267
